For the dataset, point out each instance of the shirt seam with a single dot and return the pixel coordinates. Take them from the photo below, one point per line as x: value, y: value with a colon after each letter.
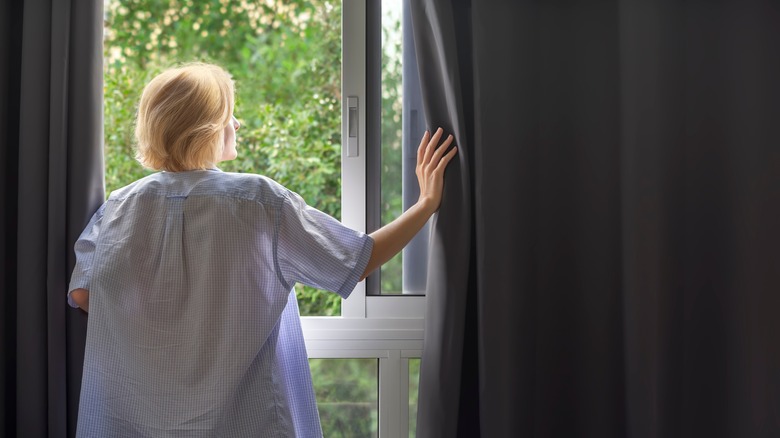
x: 277, y: 267
x: 362, y: 261
x: 267, y: 199
x: 269, y: 192
x: 84, y: 279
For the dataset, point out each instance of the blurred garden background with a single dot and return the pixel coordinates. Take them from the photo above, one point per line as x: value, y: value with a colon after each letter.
x: 285, y: 57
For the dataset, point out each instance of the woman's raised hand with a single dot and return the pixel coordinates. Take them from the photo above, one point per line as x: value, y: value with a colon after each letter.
x: 432, y: 160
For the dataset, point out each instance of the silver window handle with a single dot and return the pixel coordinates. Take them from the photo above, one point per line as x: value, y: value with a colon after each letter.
x: 352, y: 126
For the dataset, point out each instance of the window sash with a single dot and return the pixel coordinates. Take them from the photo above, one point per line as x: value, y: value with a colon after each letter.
x: 388, y: 328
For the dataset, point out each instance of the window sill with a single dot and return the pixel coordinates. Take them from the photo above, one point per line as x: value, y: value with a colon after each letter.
x: 362, y: 337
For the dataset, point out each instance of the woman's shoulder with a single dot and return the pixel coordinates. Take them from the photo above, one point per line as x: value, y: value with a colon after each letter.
x: 246, y: 186
x: 123, y: 192
x: 251, y: 185
x: 212, y: 183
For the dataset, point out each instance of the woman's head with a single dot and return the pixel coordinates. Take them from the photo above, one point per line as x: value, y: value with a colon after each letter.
x: 185, y: 118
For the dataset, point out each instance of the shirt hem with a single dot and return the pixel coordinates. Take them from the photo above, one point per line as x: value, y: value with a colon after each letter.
x: 360, y: 266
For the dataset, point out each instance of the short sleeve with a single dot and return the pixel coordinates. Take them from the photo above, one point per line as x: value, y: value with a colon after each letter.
x: 85, y: 252
x: 315, y: 249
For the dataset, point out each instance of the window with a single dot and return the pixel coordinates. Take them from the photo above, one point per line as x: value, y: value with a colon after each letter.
x: 296, y: 62
x: 414, y: 391
x: 397, y: 125
x: 346, y: 391
x: 378, y: 320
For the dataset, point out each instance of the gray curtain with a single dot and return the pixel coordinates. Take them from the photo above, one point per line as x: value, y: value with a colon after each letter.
x: 51, y: 182
x: 606, y: 261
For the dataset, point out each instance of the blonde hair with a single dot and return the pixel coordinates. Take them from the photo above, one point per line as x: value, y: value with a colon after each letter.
x: 181, y: 118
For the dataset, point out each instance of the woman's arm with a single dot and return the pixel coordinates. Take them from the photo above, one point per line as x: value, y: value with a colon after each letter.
x: 81, y: 298
x: 431, y: 163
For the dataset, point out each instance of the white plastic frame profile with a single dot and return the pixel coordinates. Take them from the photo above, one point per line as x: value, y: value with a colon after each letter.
x: 353, y: 164
x: 353, y: 168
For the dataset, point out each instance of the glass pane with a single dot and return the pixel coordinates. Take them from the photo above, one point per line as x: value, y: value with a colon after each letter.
x: 347, y: 396
x: 286, y: 62
x: 414, y: 389
x: 402, y: 126
x: 392, y: 132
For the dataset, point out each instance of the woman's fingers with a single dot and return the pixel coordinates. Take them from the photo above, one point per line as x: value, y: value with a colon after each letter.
x: 423, y: 143
x: 433, y: 157
x: 431, y: 148
x: 432, y: 160
x: 446, y: 159
x: 440, y: 150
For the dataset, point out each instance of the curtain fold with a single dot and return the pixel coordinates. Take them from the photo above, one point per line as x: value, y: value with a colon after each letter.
x: 52, y: 183
x: 446, y: 93
x: 606, y: 258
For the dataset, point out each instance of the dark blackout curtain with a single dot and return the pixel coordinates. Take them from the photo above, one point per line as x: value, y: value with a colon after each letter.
x: 606, y: 260
x: 51, y: 181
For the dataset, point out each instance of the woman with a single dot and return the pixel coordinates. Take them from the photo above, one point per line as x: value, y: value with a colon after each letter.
x: 188, y: 276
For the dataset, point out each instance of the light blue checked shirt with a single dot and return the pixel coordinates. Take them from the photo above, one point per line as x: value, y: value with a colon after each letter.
x: 193, y: 327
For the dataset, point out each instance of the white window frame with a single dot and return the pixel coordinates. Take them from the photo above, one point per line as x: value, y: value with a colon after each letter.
x: 387, y: 328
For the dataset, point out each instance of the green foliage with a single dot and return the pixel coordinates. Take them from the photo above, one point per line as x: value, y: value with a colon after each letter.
x: 348, y: 407
x: 392, y: 110
x: 414, y: 393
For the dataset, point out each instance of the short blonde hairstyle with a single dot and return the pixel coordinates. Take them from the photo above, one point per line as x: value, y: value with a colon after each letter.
x: 182, y: 116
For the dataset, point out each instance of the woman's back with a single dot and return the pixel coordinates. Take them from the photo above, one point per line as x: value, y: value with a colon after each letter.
x: 195, y: 270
